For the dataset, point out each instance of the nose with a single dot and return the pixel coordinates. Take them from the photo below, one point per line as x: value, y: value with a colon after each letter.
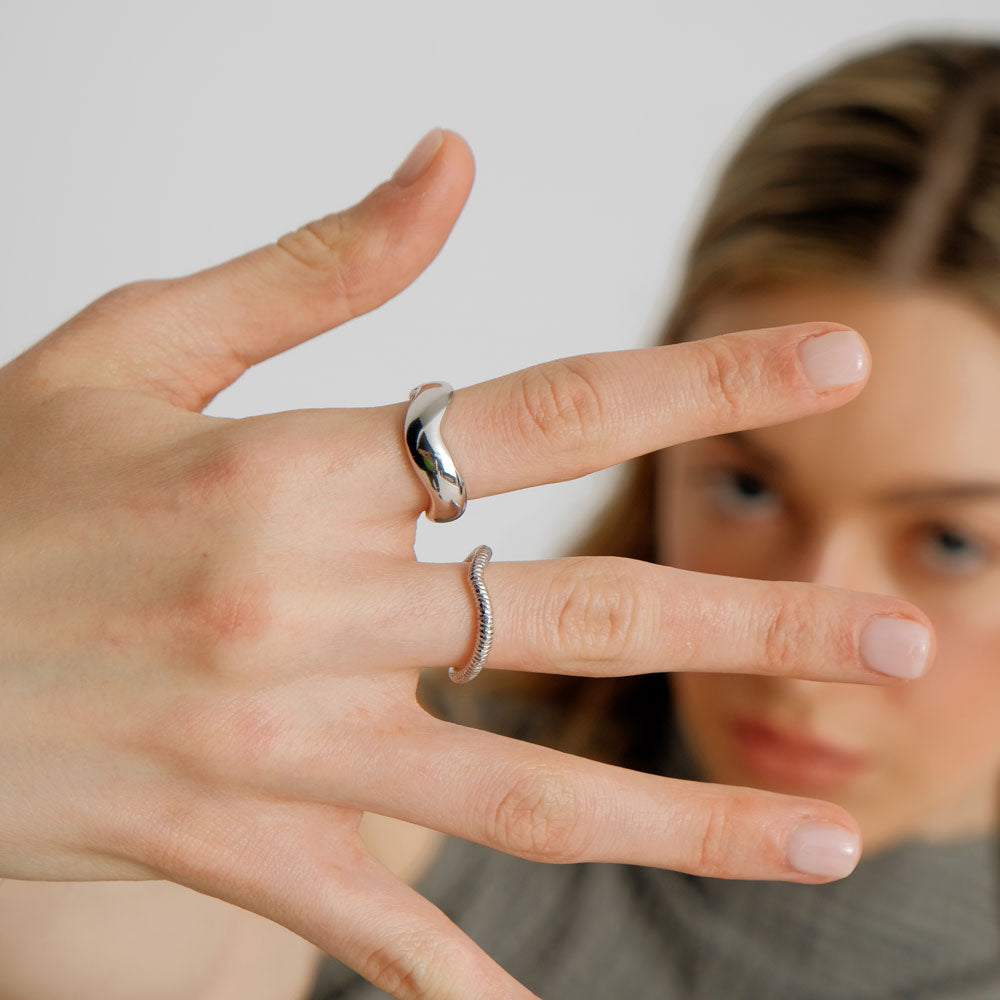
x: 847, y: 554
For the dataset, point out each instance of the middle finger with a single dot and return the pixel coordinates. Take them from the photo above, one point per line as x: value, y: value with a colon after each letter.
x: 574, y: 416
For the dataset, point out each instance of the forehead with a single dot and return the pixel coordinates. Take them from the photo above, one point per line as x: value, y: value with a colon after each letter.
x: 932, y: 403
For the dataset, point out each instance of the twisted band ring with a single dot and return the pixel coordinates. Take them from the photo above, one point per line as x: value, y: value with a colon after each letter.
x: 477, y: 560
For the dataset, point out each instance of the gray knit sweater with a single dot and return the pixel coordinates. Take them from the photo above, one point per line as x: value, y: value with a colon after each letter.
x: 917, y: 921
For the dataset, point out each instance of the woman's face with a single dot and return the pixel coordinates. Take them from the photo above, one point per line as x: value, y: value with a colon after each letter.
x: 845, y: 498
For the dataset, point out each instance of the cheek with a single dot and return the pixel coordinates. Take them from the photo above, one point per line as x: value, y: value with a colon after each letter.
x: 704, y: 702
x: 693, y: 536
x: 691, y: 541
x: 683, y: 537
x: 951, y: 717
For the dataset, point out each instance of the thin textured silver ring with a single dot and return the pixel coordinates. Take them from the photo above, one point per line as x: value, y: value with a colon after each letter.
x: 477, y: 560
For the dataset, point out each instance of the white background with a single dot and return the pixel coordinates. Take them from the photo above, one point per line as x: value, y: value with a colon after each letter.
x: 153, y: 139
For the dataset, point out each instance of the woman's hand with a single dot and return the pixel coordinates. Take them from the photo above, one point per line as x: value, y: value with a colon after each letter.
x: 212, y: 629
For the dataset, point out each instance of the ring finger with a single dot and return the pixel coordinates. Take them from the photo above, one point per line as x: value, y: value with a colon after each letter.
x: 608, y: 616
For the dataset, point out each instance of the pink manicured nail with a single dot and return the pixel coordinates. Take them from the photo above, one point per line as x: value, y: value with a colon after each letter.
x: 834, y: 359
x: 896, y: 646
x: 419, y: 159
x: 823, y: 849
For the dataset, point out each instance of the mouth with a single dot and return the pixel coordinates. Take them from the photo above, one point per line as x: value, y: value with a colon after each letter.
x: 792, y: 757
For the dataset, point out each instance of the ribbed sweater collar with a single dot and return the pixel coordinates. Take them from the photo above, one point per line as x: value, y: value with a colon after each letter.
x: 917, y: 920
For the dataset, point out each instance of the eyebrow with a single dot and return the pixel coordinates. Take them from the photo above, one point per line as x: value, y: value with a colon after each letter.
x: 971, y: 489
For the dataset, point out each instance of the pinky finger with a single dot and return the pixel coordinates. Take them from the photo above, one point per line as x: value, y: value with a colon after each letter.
x: 307, y: 870
x: 404, y: 944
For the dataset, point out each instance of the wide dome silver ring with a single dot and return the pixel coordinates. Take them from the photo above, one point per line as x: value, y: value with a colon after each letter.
x: 428, y: 453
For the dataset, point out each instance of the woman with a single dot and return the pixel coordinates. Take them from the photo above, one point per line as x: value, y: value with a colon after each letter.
x: 870, y: 194
x: 222, y: 716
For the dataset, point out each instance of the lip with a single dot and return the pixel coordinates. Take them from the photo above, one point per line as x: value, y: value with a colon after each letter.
x: 792, y: 757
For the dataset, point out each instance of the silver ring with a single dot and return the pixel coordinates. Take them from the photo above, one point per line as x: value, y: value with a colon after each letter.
x: 428, y: 454
x: 477, y: 560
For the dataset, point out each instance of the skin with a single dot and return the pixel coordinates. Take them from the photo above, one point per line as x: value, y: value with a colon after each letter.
x: 206, y: 678
x: 929, y: 412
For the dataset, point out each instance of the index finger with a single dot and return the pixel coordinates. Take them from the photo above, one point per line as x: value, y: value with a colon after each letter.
x: 571, y: 417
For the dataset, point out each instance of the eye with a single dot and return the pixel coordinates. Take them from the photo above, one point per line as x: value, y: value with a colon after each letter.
x: 740, y: 493
x: 948, y: 550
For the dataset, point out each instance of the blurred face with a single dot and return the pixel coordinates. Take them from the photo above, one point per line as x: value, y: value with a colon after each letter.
x: 868, y: 496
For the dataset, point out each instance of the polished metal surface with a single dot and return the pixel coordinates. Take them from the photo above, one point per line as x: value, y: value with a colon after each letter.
x: 428, y: 454
x: 477, y: 560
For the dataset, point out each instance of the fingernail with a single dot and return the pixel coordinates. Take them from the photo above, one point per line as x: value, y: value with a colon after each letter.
x: 822, y: 849
x: 896, y: 646
x: 833, y: 359
x: 419, y: 159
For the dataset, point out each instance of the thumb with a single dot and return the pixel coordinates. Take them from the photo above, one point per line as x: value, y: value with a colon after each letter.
x: 186, y: 339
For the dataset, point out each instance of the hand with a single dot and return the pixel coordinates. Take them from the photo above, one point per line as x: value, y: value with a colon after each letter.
x: 213, y: 628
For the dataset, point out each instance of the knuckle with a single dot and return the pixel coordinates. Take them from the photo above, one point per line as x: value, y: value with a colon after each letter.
x: 228, y: 503
x: 407, y: 970
x: 344, y: 256
x: 539, y: 817
x: 717, y: 840
x: 784, y: 634
x: 252, y: 735
x: 219, y: 613
x: 725, y: 384
x: 241, y: 472
x: 230, y: 468
x: 220, y: 741
x: 595, y: 610
x: 559, y: 403
x: 133, y: 296
x: 315, y: 243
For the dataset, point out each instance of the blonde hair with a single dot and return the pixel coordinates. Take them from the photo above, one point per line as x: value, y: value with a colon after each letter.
x: 884, y: 169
